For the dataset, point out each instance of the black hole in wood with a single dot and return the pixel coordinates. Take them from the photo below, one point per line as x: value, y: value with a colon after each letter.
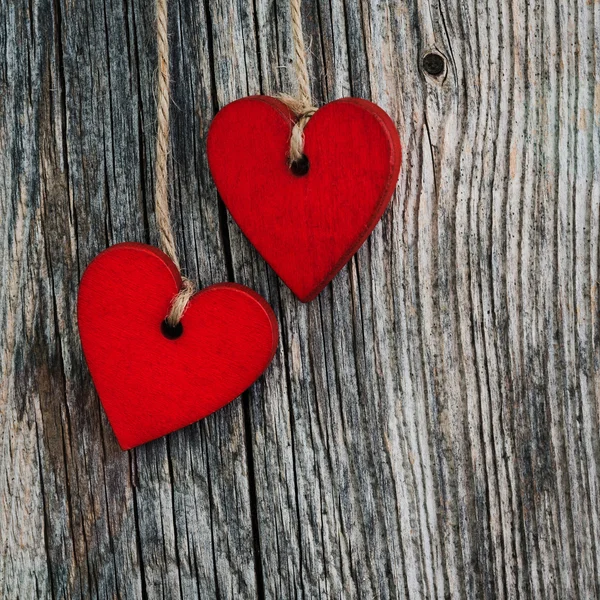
x: 300, y: 167
x: 171, y: 332
x: 434, y: 64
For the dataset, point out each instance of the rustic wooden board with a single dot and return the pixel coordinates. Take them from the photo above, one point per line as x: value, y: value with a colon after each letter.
x: 430, y: 424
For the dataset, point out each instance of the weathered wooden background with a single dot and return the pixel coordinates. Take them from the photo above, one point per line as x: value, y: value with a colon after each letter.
x: 429, y: 427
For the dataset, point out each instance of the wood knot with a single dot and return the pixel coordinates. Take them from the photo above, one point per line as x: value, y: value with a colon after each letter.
x: 434, y: 64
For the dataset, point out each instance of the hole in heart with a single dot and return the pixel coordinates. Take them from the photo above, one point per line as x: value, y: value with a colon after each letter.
x: 171, y: 332
x: 300, y: 167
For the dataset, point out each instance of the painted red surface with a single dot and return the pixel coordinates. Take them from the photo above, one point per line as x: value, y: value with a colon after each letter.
x: 306, y: 227
x: 150, y: 385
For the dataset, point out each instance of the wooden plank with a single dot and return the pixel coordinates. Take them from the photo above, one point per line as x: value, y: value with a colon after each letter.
x: 429, y: 425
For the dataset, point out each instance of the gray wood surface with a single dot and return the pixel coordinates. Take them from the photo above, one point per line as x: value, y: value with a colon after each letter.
x: 429, y: 427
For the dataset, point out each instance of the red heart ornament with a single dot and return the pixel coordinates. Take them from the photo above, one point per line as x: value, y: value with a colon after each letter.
x: 306, y: 227
x: 150, y: 385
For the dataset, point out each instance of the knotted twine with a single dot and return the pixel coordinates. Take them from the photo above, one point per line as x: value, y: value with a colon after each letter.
x: 161, y: 186
x: 302, y: 105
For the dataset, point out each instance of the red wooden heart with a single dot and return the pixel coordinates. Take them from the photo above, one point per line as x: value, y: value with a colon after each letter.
x: 150, y: 385
x: 306, y: 227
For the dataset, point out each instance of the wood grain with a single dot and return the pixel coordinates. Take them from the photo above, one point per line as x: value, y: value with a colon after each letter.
x: 429, y: 425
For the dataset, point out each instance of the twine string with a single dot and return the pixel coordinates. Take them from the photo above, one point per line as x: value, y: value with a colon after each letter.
x: 300, y: 54
x: 301, y: 106
x: 161, y: 190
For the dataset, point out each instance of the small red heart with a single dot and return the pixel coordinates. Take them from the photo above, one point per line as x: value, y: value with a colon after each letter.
x: 306, y: 227
x: 150, y: 385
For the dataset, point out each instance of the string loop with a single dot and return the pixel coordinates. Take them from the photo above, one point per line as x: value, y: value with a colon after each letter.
x: 161, y: 185
x: 301, y: 106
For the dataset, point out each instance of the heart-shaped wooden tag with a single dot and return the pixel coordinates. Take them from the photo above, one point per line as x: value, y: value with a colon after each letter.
x: 153, y: 380
x: 307, y: 226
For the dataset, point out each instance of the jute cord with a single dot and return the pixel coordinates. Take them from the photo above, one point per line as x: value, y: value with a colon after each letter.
x: 301, y: 106
x: 161, y: 190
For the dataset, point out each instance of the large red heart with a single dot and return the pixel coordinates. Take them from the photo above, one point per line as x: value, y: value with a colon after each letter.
x: 306, y: 227
x: 150, y: 385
